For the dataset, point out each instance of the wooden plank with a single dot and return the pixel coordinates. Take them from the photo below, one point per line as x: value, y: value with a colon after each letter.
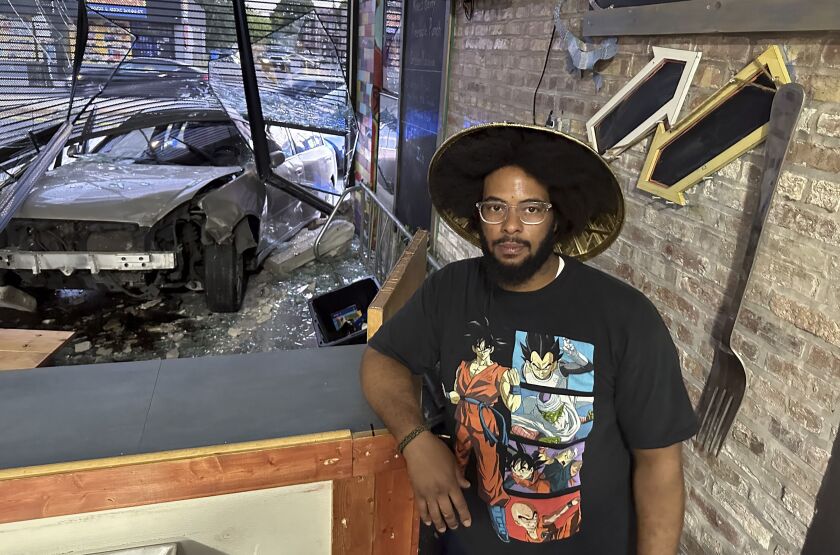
x: 353, y: 510
x: 415, y: 529
x: 21, y: 349
x: 141, y: 484
x: 161, y: 456
x: 406, y: 277
x: 41, y: 341
x: 18, y: 360
x: 714, y: 16
x: 376, y: 453
x: 394, y: 520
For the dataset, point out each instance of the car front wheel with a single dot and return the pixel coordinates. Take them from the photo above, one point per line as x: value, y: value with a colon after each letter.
x: 224, y: 277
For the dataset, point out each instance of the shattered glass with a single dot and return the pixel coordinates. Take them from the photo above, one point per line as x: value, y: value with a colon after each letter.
x: 275, y: 316
x: 300, y: 77
x: 13, y: 197
x: 35, y: 66
x: 130, y: 66
x: 300, y: 55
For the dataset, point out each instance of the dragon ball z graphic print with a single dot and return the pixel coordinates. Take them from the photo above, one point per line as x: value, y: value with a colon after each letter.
x: 525, y: 417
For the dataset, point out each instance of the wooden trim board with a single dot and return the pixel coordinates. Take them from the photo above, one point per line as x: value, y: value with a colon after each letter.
x: 22, y: 349
x: 407, y: 276
x: 714, y: 16
x: 99, y: 489
x: 354, y: 505
x: 373, y: 504
x: 180, y: 454
x: 395, y: 516
x: 375, y: 453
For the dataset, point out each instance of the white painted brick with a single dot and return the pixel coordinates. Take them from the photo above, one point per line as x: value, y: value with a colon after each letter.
x: 791, y: 185
x: 825, y: 194
x: 829, y: 125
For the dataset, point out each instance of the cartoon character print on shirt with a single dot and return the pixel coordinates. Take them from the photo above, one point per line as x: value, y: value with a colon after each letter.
x: 534, y: 468
x: 550, y: 385
x: 547, y: 380
x: 479, y: 426
x: 524, y: 423
x: 543, y: 520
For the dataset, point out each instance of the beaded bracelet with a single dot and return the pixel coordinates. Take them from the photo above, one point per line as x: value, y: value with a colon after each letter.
x: 413, y: 434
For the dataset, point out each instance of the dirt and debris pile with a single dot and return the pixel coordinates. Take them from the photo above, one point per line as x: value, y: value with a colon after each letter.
x: 113, y: 328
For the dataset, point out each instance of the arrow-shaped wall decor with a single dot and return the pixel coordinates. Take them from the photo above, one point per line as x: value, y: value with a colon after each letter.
x: 728, y: 124
x: 655, y: 94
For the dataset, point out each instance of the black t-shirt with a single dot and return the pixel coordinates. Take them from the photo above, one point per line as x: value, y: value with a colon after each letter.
x: 547, y: 392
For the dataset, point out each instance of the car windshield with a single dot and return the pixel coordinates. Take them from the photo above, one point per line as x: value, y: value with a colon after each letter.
x: 184, y: 143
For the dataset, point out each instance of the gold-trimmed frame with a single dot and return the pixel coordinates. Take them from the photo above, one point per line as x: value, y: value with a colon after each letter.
x: 772, y: 61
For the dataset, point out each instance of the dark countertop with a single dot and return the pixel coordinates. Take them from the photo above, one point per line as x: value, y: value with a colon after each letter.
x: 72, y: 413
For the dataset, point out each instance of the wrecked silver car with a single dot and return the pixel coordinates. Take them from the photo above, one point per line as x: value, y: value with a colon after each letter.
x: 172, y: 200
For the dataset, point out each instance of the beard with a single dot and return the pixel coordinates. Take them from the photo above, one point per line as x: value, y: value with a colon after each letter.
x: 515, y: 274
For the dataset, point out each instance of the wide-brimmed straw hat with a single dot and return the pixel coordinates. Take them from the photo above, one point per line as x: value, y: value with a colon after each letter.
x: 592, y: 206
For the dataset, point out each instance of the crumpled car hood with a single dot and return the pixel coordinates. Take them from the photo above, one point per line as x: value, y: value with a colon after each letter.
x: 116, y: 191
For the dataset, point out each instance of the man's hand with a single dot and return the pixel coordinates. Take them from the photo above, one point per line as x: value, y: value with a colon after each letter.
x: 454, y: 398
x: 435, y: 478
x: 437, y: 483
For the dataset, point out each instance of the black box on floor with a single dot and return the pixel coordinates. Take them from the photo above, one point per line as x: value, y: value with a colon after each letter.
x: 339, y: 306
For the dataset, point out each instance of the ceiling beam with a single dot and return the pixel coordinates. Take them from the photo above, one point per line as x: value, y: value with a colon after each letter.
x: 714, y: 16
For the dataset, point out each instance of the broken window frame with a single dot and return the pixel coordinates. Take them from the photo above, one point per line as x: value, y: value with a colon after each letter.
x: 771, y: 61
x: 668, y: 112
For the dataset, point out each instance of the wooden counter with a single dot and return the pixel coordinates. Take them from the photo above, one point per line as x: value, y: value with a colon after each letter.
x: 82, y: 439
x: 94, y: 456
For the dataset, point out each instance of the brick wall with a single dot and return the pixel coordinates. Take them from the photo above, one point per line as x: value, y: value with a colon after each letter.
x: 759, y: 496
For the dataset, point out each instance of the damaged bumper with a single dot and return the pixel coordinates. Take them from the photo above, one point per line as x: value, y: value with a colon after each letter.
x: 69, y: 262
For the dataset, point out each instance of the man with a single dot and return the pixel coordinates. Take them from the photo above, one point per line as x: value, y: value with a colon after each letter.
x: 581, y: 344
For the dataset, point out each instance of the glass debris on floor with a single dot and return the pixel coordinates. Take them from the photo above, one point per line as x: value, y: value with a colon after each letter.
x: 116, y: 328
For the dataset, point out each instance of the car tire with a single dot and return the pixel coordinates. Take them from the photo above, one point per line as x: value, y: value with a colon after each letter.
x: 224, y: 278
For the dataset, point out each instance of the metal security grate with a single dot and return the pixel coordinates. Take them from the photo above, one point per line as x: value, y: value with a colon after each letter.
x: 156, y: 55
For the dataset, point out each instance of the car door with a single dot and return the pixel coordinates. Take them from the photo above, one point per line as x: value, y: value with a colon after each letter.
x: 292, y: 169
x: 318, y: 159
x: 285, y: 214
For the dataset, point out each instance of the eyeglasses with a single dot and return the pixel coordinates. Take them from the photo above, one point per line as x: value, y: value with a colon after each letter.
x: 530, y: 212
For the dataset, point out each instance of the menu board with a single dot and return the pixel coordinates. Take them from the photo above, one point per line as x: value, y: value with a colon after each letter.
x: 425, y: 43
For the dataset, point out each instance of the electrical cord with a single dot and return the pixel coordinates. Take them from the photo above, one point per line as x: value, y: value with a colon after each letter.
x: 542, y: 75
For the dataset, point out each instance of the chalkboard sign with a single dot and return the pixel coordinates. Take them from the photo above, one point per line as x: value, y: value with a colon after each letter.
x: 633, y: 111
x: 723, y: 127
x: 425, y: 42
x: 743, y: 113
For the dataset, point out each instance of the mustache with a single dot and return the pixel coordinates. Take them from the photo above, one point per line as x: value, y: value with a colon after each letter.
x: 511, y: 240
